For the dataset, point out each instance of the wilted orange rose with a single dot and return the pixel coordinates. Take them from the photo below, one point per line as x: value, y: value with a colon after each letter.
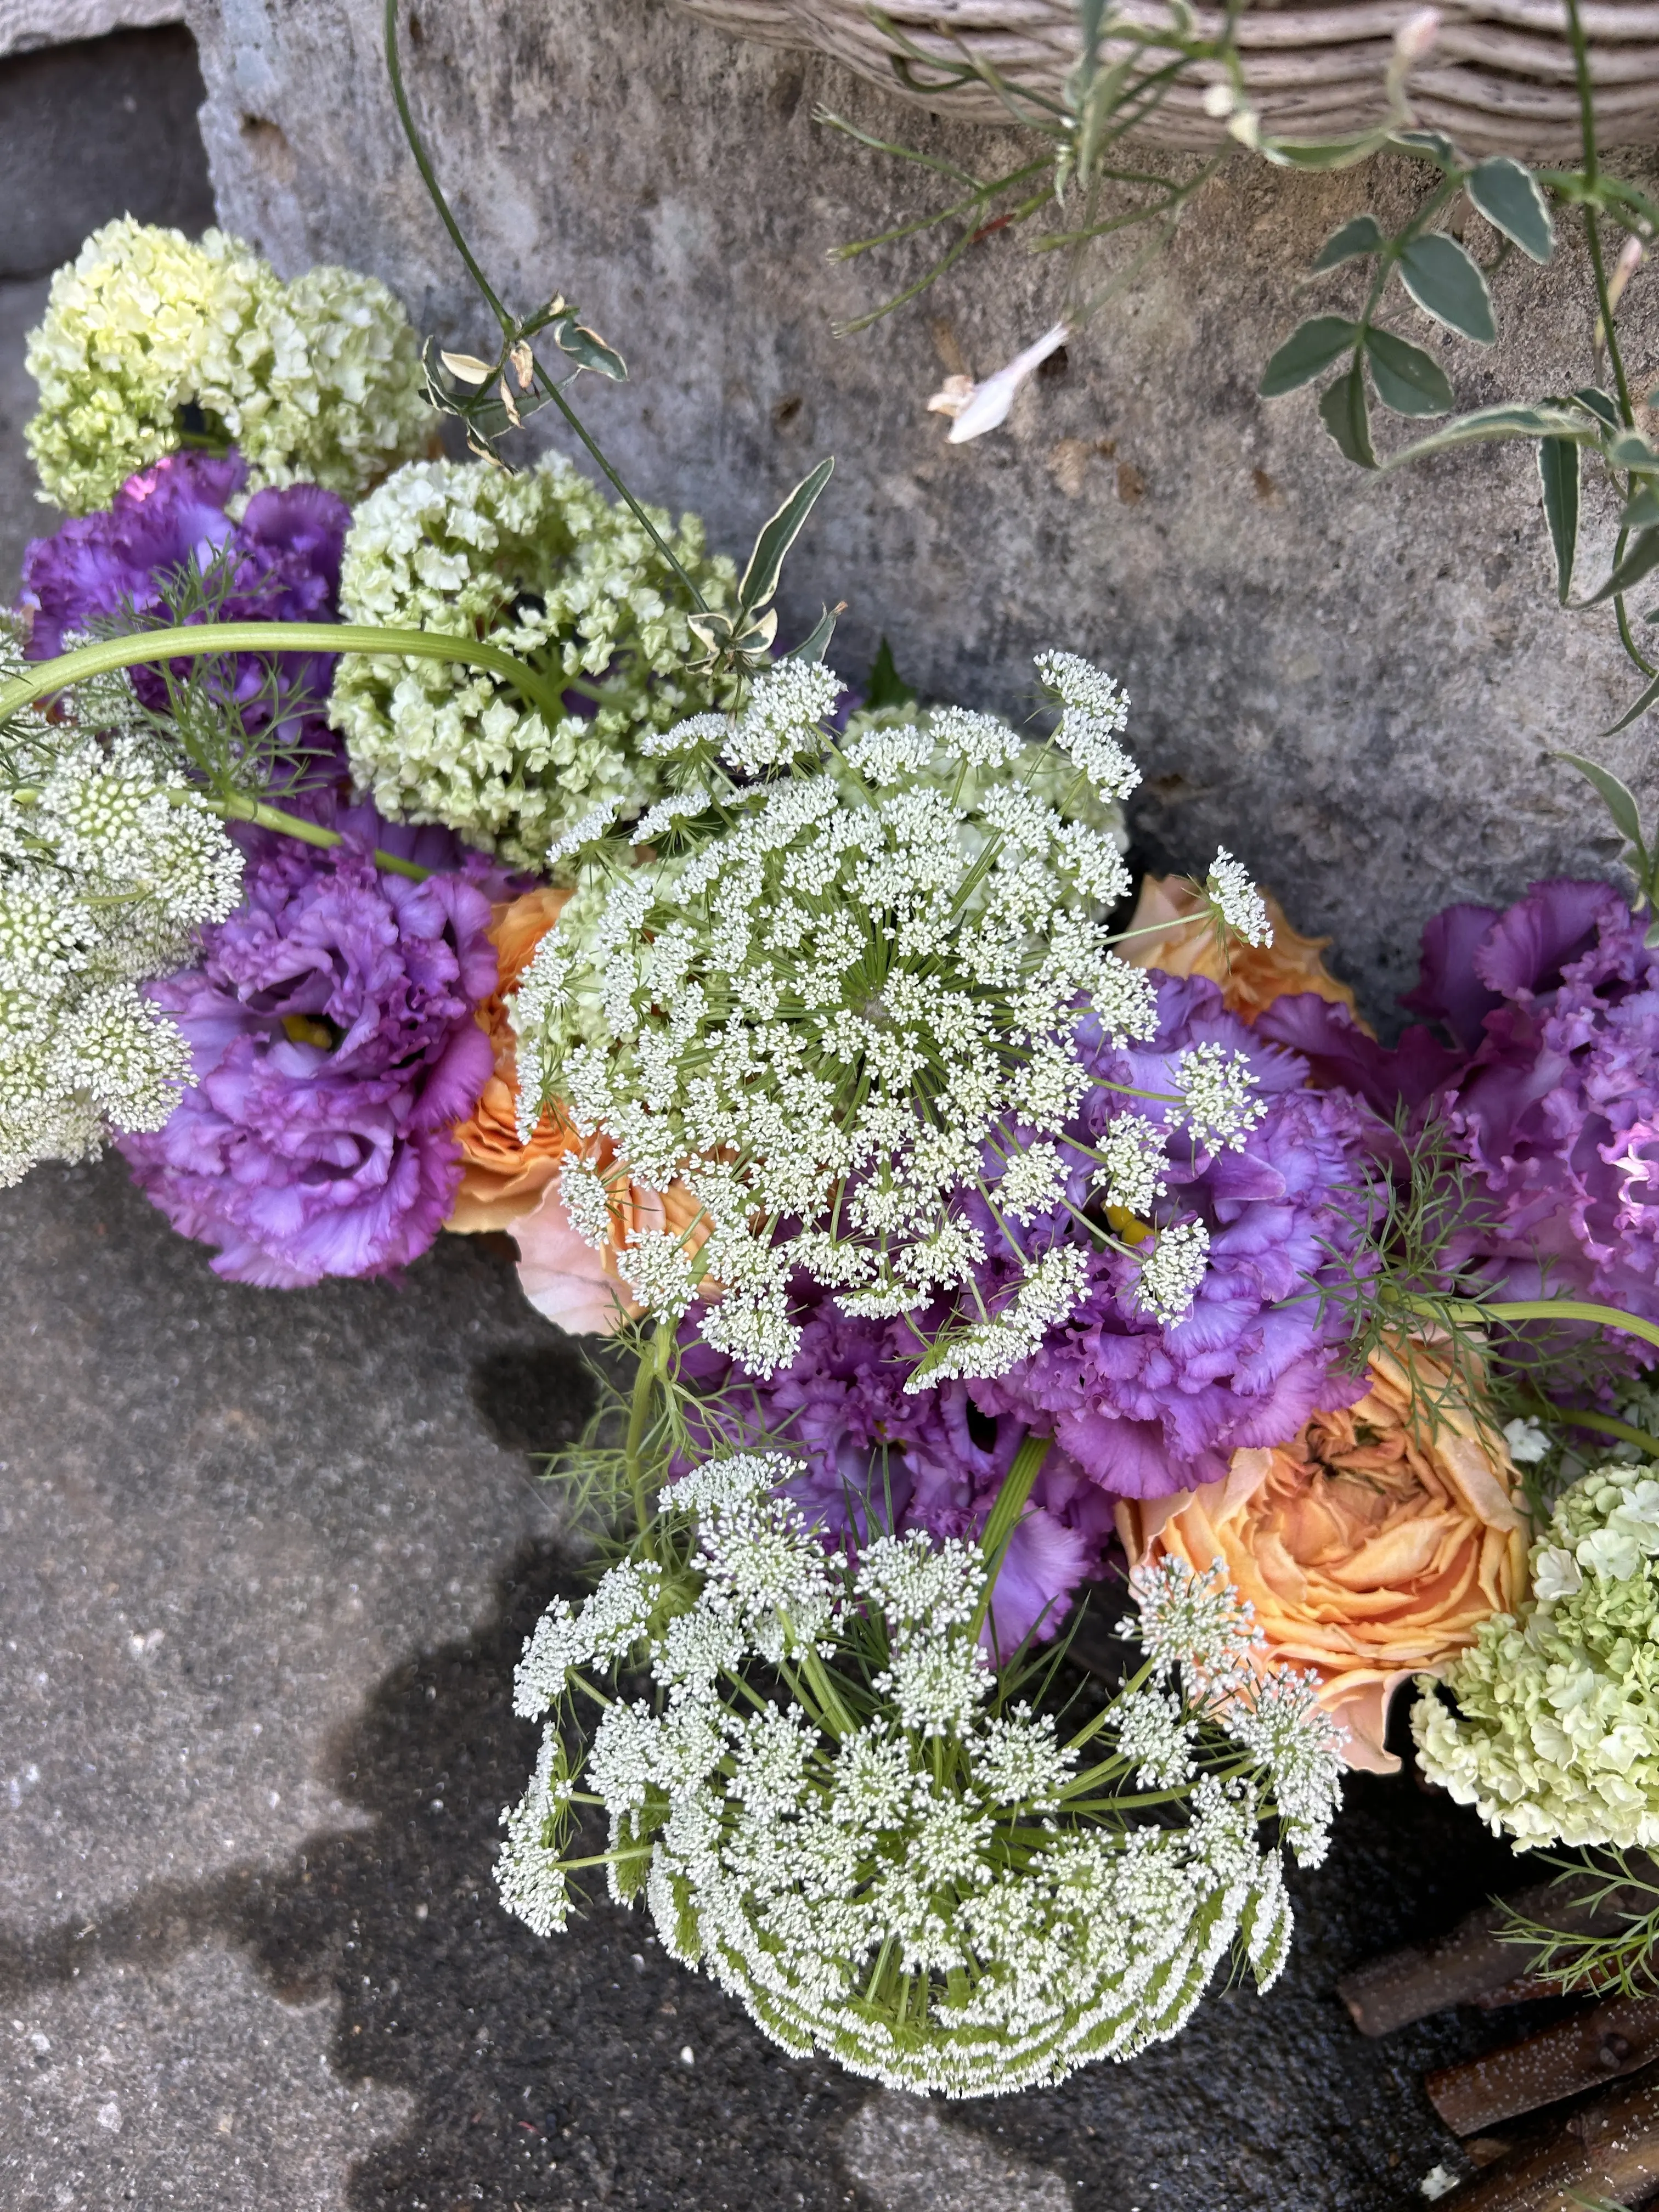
x: 1372, y: 1546
x: 1251, y: 977
x: 502, y: 1178
x: 573, y: 1284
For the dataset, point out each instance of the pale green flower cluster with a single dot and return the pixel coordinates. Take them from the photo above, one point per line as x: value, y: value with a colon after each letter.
x: 908, y: 1868
x: 1556, y: 1735
x: 320, y: 380
x: 543, y: 565
x: 872, y: 973
x: 108, y: 864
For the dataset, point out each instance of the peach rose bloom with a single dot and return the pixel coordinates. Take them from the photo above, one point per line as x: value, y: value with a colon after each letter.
x: 1372, y: 1546
x: 566, y: 1280
x: 501, y: 1178
x: 1251, y: 977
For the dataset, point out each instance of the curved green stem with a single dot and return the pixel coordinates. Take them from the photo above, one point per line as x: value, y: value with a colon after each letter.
x: 1604, y: 1424
x: 1479, y: 1309
x: 195, y: 641
x: 309, y: 833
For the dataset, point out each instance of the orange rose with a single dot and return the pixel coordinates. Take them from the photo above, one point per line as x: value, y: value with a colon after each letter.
x: 1372, y: 1546
x: 1251, y: 977
x: 502, y: 1178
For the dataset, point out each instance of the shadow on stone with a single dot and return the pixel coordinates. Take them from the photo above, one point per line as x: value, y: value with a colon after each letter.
x: 591, y: 2070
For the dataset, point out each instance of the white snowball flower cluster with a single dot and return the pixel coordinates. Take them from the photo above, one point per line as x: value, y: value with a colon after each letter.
x: 542, y: 564
x: 317, y: 381
x: 821, y: 1014
x: 902, y: 1866
x: 1555, y: 1734
x: 108, y: 864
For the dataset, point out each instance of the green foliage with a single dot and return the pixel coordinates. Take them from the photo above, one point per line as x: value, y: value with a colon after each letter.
x: 1623, y: 1962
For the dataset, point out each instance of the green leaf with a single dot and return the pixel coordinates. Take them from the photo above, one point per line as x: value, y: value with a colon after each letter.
x: 588, y: 350
x: 1434, y: 143
x: 1363, y: 235
x: 1508, y: 194
x: 1601, y: 404
x: 1617, y: 800
x: 885, y: 687
x: 1446, y: 284
x: 1557, y: 470
x: 1343, y: 412
x: 1630, y: 450
x: 1643, y: 511
x: 1641, y: 560
x: 816, y: 643
x: 1408, y: 380
x: 1307, y: 353
x: 1486, y: 425
x: 1634, y: 714
x: 760, y: 578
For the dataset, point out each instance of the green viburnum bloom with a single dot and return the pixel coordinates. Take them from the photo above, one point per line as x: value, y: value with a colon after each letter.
x: 109, y: 862
x: 543, y: 564
x: 901, y: 1864
x: 1555, y: 1738
x: 840, y: 994
x: 319, y: 381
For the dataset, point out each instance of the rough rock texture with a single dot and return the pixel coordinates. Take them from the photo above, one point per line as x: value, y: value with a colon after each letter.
x: 97, y: 130
x: 27, y: 24
x: 1353, y: 683
x: 266, y: 1561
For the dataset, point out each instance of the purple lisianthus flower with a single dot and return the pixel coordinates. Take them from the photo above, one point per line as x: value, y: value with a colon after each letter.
x: 879, y: 1459
x: 334, y: 1046
x: 281, y: 561
x: 1548, y: 1087
x: 1145, y: 1408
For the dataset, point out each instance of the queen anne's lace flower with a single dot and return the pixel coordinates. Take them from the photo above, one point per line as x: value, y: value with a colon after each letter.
x: 1555, y: 1734
x: 829, y: 1015
x: 545, y: 566
x: 318, y: 379
x: 911, y: 1891
x: 109, y: 861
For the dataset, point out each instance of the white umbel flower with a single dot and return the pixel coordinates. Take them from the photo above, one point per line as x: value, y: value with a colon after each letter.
x: 913, y: 1892
x: 822, y: 1012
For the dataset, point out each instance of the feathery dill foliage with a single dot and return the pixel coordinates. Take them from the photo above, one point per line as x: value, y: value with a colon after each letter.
x: 833, y: 1802
x: 110, y: 859
x: 1617, y: 1962
x: 1403, y: 1276
x: 836, y: 991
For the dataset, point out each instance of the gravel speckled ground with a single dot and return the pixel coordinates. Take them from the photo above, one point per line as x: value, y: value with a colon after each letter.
x: 265, y: 1566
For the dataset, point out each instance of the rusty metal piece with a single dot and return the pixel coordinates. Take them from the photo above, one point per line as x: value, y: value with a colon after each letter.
x: 1580, y: 2053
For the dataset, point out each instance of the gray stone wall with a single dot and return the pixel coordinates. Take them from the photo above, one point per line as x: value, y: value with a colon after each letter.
x: 1354, y: 683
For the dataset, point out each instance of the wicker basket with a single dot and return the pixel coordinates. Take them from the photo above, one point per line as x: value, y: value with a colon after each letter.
x: 1500, y: 80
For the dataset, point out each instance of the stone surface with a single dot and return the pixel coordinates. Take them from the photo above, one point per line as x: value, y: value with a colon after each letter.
x: 261, y: 1547
x: 29, y: 23
x: 191, y: 2087
x: 94, y: 130
x: 22, y: 515
x: 1355, y: 684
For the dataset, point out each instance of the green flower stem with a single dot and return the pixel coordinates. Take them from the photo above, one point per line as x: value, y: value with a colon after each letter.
x: 308, y: 833
x: 1478, y: 1309
x: 647, y: 1376
x: 195, y: 641
x: 1604, y: 1424
x: 1010, y: 1502
x: 510, y: 327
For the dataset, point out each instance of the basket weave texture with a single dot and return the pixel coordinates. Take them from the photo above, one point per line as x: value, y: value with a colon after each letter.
x: 1500, y: 79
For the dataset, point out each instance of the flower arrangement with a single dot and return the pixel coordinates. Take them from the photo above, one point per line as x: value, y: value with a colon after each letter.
x: 474, y: 855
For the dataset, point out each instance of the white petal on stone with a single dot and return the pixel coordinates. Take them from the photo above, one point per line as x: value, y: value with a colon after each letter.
x: 987, y: 406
